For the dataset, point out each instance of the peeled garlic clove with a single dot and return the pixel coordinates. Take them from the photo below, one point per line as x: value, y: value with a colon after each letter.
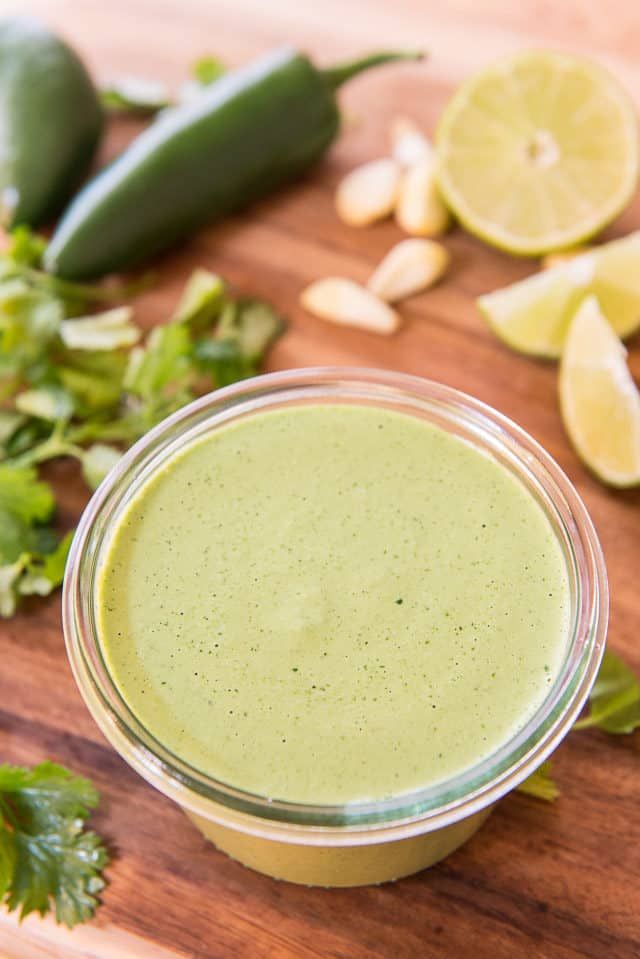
x: 560, y: 257
x: 420, y: 209
x: 409, y: 267
x: 409, y: 145
x: 368, y: 193
x: 349, y: 304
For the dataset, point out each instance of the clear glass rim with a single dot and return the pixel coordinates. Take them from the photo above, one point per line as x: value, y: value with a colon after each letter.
x: 406, y: 814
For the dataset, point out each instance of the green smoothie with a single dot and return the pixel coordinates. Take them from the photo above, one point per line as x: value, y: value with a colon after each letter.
x: 333, y: 603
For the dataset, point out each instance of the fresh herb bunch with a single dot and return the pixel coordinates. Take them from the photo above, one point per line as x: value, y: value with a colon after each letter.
x: 74, y: 383
x: 48, y: 859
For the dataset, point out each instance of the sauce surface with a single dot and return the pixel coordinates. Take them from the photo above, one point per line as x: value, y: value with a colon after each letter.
x: 333, y: 603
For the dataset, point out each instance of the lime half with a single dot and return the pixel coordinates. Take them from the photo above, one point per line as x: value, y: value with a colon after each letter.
x: 538, y: 152
x: 533, y: 316
x: 599, y: 400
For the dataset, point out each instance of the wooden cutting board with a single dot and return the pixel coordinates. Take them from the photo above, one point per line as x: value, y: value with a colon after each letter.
x: 555, y: 881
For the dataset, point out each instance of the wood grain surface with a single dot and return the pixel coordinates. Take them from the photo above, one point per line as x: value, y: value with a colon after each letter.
x: 558, y: 882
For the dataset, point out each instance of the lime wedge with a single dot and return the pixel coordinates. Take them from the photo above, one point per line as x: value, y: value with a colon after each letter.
x: 599, y: 400
x: 533, y: 316
x: 538, y: 152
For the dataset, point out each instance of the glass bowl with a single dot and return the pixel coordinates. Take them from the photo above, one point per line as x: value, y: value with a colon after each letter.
x: 361, y: 842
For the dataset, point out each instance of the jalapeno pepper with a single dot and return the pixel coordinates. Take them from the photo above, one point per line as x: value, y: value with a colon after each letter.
x: 250, y: 132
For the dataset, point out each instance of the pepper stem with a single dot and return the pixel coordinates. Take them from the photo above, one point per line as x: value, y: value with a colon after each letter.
x: 336, y: 76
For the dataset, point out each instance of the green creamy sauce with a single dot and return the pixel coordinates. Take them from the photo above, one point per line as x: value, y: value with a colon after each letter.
x: 333, y: 603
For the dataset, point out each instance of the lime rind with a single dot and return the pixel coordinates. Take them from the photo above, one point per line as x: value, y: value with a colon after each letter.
x: 584, y: 129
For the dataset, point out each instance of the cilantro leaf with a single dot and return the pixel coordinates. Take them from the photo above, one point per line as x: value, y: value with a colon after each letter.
x: 24, y: 496
x: 614, y: 703
x: 540, y: 784
x: 31, y: 558
x: 244, y: 333
x: 26, y: 247
x: 108, y: 330
x: 252, y: 324
x: 164, y: 361
x: 61, y: 865
x: 207, y: 69
x: 10, y: 423
x: 135, y: 95
x: 9, y: 575
x: 46, y: 403
x: 44, y: 571
x: 614, y: 706
x: 204, y: 71
x: 7, y: 859
x: 34, y: 312
x: 141, y: 97
x: 47, y: 792
x: 97, y: 461
x: 94, y: 379
x: 222, y: 361
x: 172, y: 367
x: 29, y: 322
x: 47, y: 857
x: 27, y: 433
x: 201, y: 302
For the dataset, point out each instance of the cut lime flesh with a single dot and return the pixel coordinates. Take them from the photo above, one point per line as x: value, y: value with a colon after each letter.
x: 538, y: 152
x: 599, y: 400
x: 533, y: 316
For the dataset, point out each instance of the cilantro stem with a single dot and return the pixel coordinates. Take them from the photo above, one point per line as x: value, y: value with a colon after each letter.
x: 88, y: 291
x: 8, y: 814
x: 116, y: 432
x: 51, y: 448
x: 587, y: 723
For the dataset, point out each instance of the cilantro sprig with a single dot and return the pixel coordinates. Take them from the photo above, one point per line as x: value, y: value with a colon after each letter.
x: 33, y: 558
x: 614, y: 703
x: 48, y: 859
x: 138, y: 97
x: 614, y: 707
x: 85, y: 385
